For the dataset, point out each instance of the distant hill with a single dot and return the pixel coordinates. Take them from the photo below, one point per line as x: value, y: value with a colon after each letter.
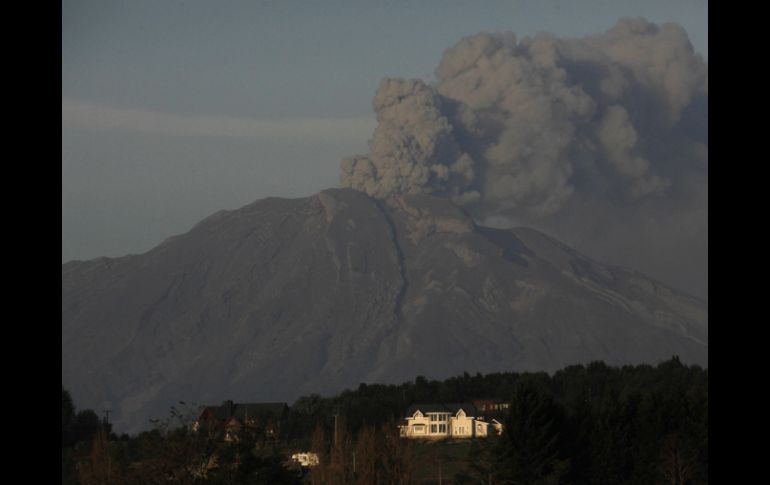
x: 286, y: 297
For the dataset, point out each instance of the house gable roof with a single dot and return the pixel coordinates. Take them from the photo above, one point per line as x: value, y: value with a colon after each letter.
x: 452, y: 408
x: 269, y: 410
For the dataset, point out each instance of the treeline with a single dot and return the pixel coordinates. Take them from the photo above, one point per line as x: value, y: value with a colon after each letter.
x: 170, y: 453
x: 374, y: 455
x: 79, y: 429
x: 599, y: 425
x: 591, y: 424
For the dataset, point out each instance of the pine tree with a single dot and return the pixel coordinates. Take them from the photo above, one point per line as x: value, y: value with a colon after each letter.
x: 99, y: 469
x: 67, y: 418
x: 319, y: 473
x: 366, y: 466
x: 396, y: 455
x: 529, y: 452
x: 341, y: 454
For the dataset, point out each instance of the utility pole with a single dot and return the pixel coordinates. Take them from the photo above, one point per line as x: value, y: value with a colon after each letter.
x: 335, y: 430
x: 106, y: 445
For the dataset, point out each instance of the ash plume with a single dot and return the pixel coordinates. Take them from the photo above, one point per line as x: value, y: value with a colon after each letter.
x: 600, y: 140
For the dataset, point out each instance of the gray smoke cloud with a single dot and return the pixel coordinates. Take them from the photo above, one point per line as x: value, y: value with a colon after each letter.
x: 601, y: 141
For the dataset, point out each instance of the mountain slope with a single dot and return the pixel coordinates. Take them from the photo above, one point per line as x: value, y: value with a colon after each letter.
x: 285, y: 297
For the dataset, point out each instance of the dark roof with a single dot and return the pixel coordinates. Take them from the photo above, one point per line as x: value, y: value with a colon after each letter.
x: 229, y: 409
x: 469, y: 409
x: 257, y: 410
x: 489, y: 401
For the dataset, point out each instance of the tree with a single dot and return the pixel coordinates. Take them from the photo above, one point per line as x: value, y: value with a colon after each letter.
x: 85, y: 426
x: 99, y: 468
x: 614, y: 439
x: 366, y: 459
x: 679, y: 464
x: 481, y: 461
x: 529, y: 452
x: 172, y: 453
x: 242, y: 463
x: 341, y: 455
x: 67, y: 418
x: 396, y: 455
x: 318, y: 446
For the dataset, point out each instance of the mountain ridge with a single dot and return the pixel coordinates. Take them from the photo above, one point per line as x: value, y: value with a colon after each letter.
x: 284, y: 297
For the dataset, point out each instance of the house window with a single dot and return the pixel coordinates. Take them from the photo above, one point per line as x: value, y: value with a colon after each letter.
x: 461, y: 430
x: 419, y: 428
x: 433, y: 428
x: 442, y: 428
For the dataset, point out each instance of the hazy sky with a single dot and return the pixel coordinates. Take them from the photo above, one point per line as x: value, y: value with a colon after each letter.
x: 172, y: 110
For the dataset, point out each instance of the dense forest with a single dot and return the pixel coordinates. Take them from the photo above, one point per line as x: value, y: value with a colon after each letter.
x: 593, y: 424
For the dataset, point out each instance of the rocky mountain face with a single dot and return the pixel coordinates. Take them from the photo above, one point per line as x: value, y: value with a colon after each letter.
x: 288, y: 297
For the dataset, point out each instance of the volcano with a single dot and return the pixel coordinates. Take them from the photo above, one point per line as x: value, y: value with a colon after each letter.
x: 286, y: 297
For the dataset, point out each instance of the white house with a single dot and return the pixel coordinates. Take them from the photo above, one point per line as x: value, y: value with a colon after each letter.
x: 306, y: 459
x: 437, y: 421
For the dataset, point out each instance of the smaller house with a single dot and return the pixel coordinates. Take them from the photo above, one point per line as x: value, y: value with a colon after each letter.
x: 234, y: 420
x: 491, y: 407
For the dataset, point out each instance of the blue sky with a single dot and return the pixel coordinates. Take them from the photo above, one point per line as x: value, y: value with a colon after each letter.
x: 175, y: 109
